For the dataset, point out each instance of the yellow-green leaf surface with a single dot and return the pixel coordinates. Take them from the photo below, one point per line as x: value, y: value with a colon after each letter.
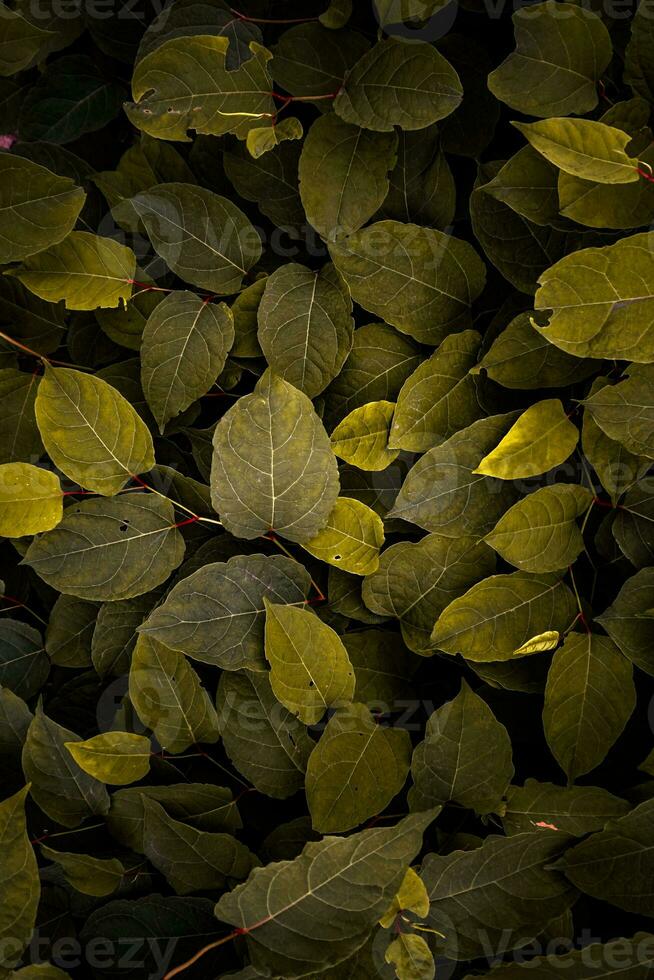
x: 84, y: 270
x: 362, y: 437
x: 305, y: 325
x: 184, y: 348
x: 168, y: 697
x: 351, y: 538
x: 310, y: 669
x: 395, y: 84
x: 185, y: 85
x: 537, y: 644
x: 575, y: 810
x: 561, y: 52
x: 263, y: 139
x: 527, y: 182
x: 273, y: 466
x: 539, y: 533
x: 20, y: 887
x: 31, y: 500
x: 344, y: 173
x: 411, y: 896
x: 117, y: 758
x: 625, y: 411
x: 420, y: 280
x: 355, y: 770
x: 104, y: 550
x: 411, y: 957
x: 37, y: 207
x: 583, y: 148
x: 543, y: 437
x: 499, y: 614
x: 90, y: 431
x: 203, y: 237
x: 86, y: 873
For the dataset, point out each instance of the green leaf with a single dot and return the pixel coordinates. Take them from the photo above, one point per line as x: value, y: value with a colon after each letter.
x: 634, y: 523
x: 411, y: 896
x: 576, y: 810
x: 351, y: 539
x: 20, y: 41
x: 615, y: 864
x: 422, y: 189
x: 411, y: 957
x: 627, y: 623
x: 344, y: 175
x: 217, y: 614
x: 542, y: 438
x: 167, y: 696
x: 355, y: 770
x: 263, y: 139
x: 15, y: 718
x: 548, y: 640
x: 498, y: 615
x: 192, y: 860
x: 84, y: 270
x: 117, y: 758
x: 189, y: 76
x: 439, y: 392
x: 263, y: 480
x: 362, y: 437
x: 267, y: 744
x: 24, y: 665
x: 395, y: 84
x: 355, y: 876
x: 561, y: 53
x: 639, y: 64
x: 618, y: 206
x: 19, y: 436
x: 19, y: 878
x: 539, y: 533
x: 115, y: 633
x: 59, y: 787
x: 44, y: 971
x: 69, y: 632
x: 589, y: 699
x: 305, y: 325
x: 528, y: 183
x: 31, y: 500
x: 584, y: 148
x: 110, y: 549
x: 389, y: 267
x: 416, y: 581
x: 616, y: 467
x: 184, y: 348
x: 88, y: 874
x: 382, y: 665
x: 625, y: 411
x: 310, y: 59
x: 271, y: 181
x: 466, y: 757
x: 37, y: 207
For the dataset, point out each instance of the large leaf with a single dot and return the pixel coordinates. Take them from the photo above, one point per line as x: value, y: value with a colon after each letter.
x: 273, y: 466
x: 31, y: 500
x: 584, y: 148
x: 420, y: 280
x: 19, y: 880
x: 281, y: 907
x: 543, y: 437
x: 576, y: 810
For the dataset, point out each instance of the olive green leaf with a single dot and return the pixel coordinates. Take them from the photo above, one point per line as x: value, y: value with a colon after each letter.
x: 15, y: 718
x: 244, y: 313
x: 466, y: 757
x: 627, y: 622
x: 479, y: 897
x: 589, y: 699
x: 117, y: 758
x: 270, y: 181
x: 620, y: 958
x: 561, y: 53
x: 422, y: 188
x: 633, y: 527
x: 125, y: 325
x: 543, y: 437
x: 19, y: 435
x: 115, y: 634
x: 110, y: 549
x: 192, y: 860
x: 86, y: 873
x: 37, y: 208
x: 273, y: 467
x: 355, y: 770
x: 310, y: 59
x: 184, y: 348
x: 69, y: 632
x: 305, y: 325
x: 190, y: 19
x: 420, y: 280
x: 355, y: 876
x: 203, y: 237
x: 24, y: 665
x: 267, y: 744
x: 395, y: 84
x: 616, y: 467
x: 59, y: 787
x: 85, y: 270
x: 168, y: 697
x: 411, y: 896
x: 625, y: 411
x: 344, y: 175
x: 615, y: 864
x: 351, y: 538
x: 263, y: 139
x: 185, y: 84
x: 602, y: 301
x: 444, y: 493
x: 440, y: 397
x: 539, y: 533
x: 90, y: 431
x: 496, y: 616
x: 20, y: 41
x: 576, y: 810
x: 309, y: 666
x: 416, y: 581
x: 639, y: 66
x: 43, y: 971
x: 31, y: 500
x: 19, y: 878
x: 217, y: 614
x: 584, y: 148
x: 548, y: 640
x: 337, y: 14
x: 382, y: 665
x: 528, y: 183
x: 362, y: 437
x: 411, y: 957
x: 344, y: 590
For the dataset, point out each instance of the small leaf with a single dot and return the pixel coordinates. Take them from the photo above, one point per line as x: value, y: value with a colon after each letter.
x: 24, y: 665
x: 362, y: 437
x: 542, y: 438
x: 117, y: 758
x: 411, y: 957
x: 31, y: 500
x: 88, y: 874
x: 548, y: 640
x: 411, y: 896
x: 351, y: 539
x: 263, y: 139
